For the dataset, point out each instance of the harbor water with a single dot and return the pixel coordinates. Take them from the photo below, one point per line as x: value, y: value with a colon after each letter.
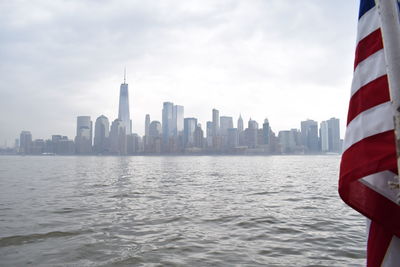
x: 176, y: 211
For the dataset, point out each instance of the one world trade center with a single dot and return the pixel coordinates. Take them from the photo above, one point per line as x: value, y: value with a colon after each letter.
x: 123, y: 112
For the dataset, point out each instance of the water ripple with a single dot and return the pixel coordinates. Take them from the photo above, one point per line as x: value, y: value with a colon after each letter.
x: 176, y: 211
x: 31, y: 238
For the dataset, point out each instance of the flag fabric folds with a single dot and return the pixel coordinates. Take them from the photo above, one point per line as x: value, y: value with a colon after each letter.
x: 369, y: 157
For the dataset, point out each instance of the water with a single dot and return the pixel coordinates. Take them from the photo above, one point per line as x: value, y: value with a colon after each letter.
x: 176, y: 211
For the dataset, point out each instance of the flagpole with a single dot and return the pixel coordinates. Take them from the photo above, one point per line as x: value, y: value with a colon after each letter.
x: 390, y: 27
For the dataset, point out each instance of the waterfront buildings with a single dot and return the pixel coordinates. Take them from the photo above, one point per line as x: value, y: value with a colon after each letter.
x: 101, y: 135
x: 146, y: 130
x: 60, y: 145
x: 167, y: 124
x: 188, y: 132
x: 287, y: 141
x: 198, y: 136
x: 265, y: 132
x: 209, y: 135
x: 25, y: 140
x: 225, y: 124
x: 155, y: 135
x: 330, y: 136
x: 176, y: 134
x: 216, y: 140
x: 251, y: 134
x: 232, y: 138
x: 177, y: 120
x: 252, y: 140
x: 172, y: 127
x: 324, y: 136
x: 309, y: 136
x: 215, y: 122
x: 83, y: 139
x: 334, y: 135
x: 118, y: 138
x: 240, y: 124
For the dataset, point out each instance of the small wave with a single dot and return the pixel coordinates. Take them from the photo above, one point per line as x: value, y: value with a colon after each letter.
x: 66, y: 210
x: 127, y: 195
x: 258, y: 222
x: 24, y: 239
x: 222, y: 219
x: 134, y: 260
x: 123, y: 195
x: 264, y: 193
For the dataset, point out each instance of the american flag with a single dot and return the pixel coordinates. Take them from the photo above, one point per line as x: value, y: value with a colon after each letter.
x: 369, y: 158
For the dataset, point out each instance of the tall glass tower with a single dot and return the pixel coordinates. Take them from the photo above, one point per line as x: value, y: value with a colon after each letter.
x: 167, y: 122
x: 123, y: 112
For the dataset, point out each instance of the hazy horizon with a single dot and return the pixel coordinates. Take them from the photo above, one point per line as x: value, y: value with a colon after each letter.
x: 282, y: 60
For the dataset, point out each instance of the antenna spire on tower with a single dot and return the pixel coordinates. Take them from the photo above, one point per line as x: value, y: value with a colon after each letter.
x: 124, y: 75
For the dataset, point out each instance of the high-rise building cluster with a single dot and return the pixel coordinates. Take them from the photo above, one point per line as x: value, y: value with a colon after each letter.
x: 177, y: 134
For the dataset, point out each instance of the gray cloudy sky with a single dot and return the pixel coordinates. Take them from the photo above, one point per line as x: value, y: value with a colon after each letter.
x: 283, y: 60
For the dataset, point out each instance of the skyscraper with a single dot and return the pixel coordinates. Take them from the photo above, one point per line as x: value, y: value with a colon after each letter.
x: 309, y: 135
x: 198, y: 136
x: 216, y: 141
x: 209, y: 134
x: 146, y: 129
x: 25, y: 142
x: 225, y: 124
x: 287, y: 141
x: 177, y: 120
x: 252, y: 134
x: 330, y: 136
x: 155, y: 132
x: 123, y: 111
x: 240, y: 124
x: 215, y: 121
x: 118, y: 138
x: 84, y: 122
x: 101, y: 134
x: 155, y: 129
x: 334, y: 135
x: 324, y: 136
x: 233, y: 138
x: 83, y: 139
x: 266, y: 130
x: 190, y: 125
x: 167, y: 123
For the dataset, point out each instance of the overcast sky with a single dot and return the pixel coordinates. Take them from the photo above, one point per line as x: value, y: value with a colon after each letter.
x: 283, y: 60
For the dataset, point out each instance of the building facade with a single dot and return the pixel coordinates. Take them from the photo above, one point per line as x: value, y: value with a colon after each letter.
x: 101, y: 135
x: 123, y: 110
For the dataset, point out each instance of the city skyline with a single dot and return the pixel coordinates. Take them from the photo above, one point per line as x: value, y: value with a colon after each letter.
x: 124, y: 116
x: 178, y: 134
x: 105, y: 137
x: 259, y: 59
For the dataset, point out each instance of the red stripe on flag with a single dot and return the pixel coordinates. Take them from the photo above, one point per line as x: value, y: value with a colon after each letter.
x: 370, y: 155
x: 368, y: 96
x: 378, y: 242
x: 373, y: 205
x: 368, y: 46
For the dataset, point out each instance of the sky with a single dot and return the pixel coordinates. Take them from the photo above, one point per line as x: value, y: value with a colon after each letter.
x: 283, y: 60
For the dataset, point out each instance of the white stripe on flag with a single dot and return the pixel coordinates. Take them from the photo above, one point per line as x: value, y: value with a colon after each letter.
x: 379, y: 182
x: 392, y: 257
x: 368, y: 70
x: 368, y: 23
x: 373, y: 121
